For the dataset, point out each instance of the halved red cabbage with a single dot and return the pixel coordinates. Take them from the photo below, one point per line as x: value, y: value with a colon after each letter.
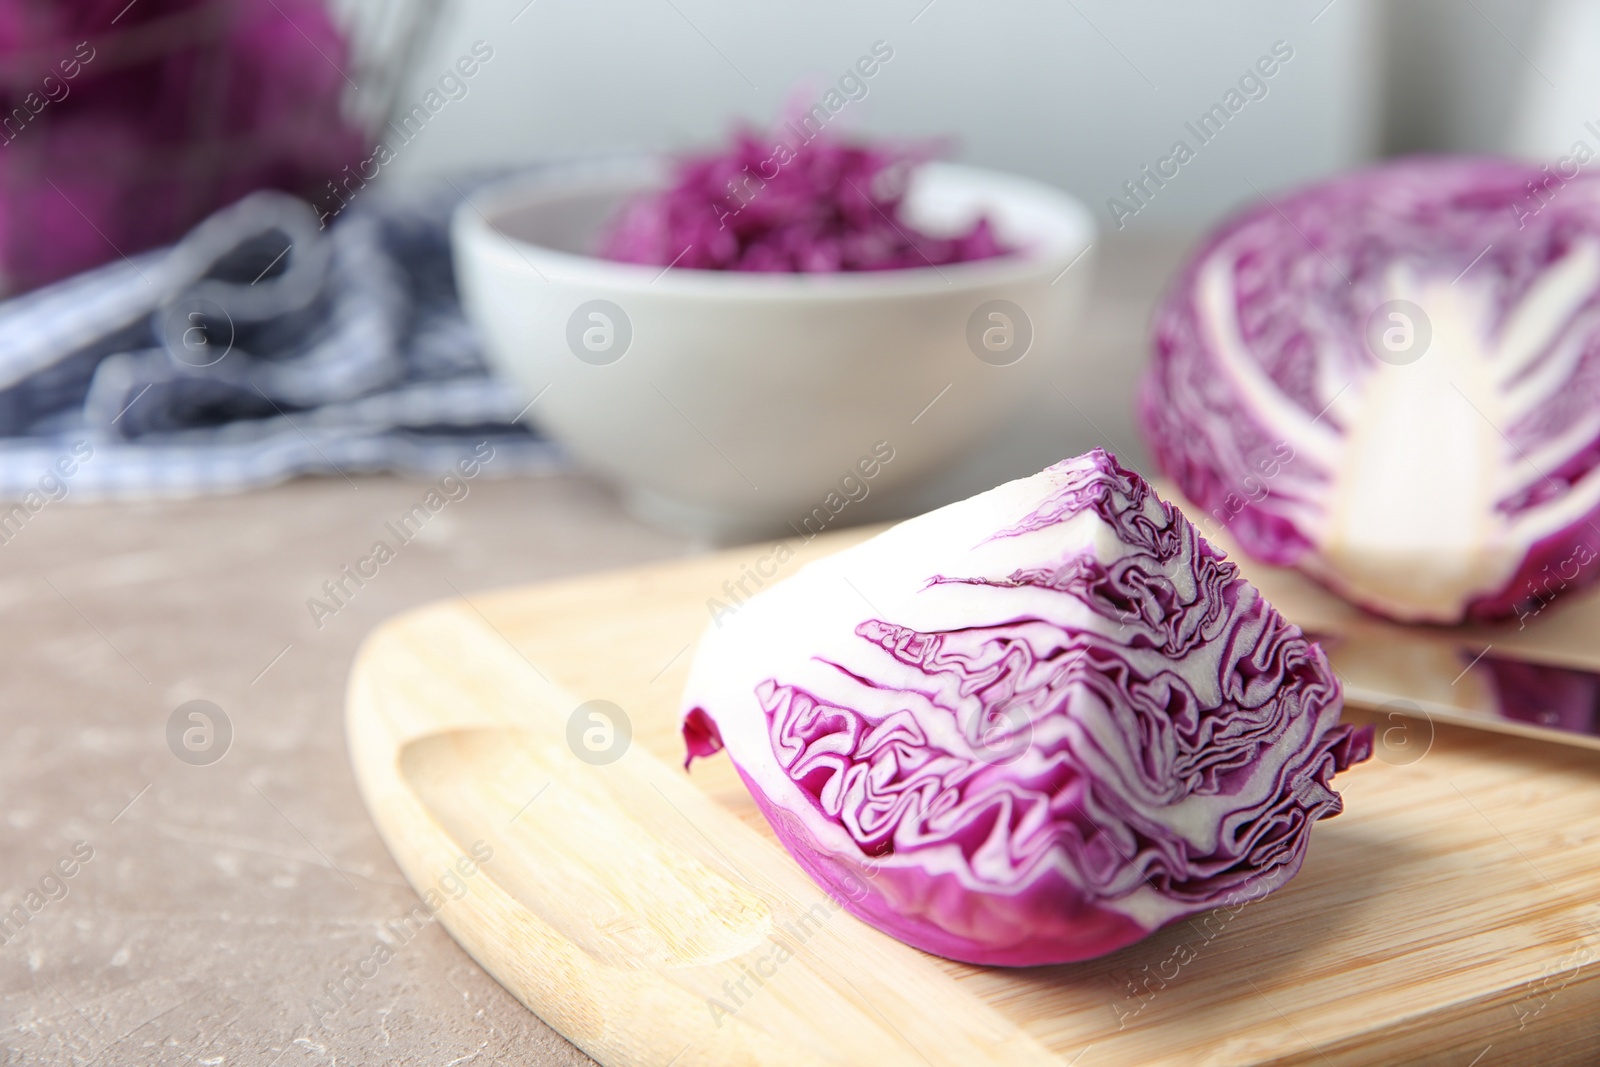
x: 1390, y: 380
x: 781, y: 203
x: 1029, y: 727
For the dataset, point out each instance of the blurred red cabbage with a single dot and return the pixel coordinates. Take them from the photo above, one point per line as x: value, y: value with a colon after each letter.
x: 171, y: 109
x: 792, y: 202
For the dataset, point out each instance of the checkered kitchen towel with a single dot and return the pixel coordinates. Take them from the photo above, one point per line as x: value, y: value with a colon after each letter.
x: 257, y: 348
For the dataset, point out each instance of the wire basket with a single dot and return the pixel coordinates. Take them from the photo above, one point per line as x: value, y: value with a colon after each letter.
x: 122, y: 124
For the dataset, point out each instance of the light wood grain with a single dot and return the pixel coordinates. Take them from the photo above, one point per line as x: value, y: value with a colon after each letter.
x: 1451, y: 910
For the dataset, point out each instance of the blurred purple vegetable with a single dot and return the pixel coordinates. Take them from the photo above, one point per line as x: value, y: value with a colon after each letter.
x: 1561, y: 698
x: 761, y: 205
x: 126, y: 124
x: 1389, y: 380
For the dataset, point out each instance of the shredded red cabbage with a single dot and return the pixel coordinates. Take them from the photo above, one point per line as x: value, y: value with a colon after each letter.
x: 762, y: 205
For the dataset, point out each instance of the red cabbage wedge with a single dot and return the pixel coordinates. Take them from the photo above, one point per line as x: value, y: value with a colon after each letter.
x: 1389, y: 380
x: 1029, y: 727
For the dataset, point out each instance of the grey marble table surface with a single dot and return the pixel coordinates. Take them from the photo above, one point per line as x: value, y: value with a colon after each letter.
x: 157, y: 908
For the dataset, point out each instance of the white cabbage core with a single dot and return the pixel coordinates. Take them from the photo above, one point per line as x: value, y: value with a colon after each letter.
x: 1410, y: 521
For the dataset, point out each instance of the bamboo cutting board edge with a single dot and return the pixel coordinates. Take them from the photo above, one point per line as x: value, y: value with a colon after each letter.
x: 605, y: 988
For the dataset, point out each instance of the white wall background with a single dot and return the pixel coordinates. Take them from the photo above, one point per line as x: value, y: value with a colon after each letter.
x: 1461, y: 76
x: 1559, y: 104
x: 1081, y: 93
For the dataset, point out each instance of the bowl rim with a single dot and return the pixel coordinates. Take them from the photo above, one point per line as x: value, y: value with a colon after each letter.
x: 473, y: 225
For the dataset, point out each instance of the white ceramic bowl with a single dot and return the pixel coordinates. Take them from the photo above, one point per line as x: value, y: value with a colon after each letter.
x: 733, y: 405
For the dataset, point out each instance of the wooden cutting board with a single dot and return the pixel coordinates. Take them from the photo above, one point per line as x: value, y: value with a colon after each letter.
x: 1450, y: 916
